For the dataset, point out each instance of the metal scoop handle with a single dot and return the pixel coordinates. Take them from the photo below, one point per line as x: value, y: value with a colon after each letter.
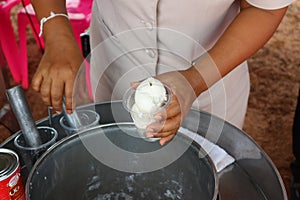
x: 24, y: 117
x: 72, y: 119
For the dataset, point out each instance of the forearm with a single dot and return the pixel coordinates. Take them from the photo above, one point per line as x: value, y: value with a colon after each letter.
x: 247, y: 34
x: 251, y: 29
x: 55, y: 26
x: 55, y: 76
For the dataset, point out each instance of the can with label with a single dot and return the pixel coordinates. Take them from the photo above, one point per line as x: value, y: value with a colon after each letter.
x: 11, y: 183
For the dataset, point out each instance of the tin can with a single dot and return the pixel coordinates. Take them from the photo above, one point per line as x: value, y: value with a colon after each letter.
x: 11, y: 183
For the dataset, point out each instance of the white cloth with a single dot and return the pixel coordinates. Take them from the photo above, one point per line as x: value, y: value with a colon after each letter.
x: 219, y: 156
x: 132, y: 40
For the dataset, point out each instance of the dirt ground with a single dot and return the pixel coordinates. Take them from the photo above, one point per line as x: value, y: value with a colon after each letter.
x: 275, y: 81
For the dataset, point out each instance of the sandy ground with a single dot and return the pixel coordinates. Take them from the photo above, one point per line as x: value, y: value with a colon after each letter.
x: 275, y: 80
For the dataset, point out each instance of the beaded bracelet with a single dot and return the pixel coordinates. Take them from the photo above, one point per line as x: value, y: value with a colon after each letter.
x: 52, y: 15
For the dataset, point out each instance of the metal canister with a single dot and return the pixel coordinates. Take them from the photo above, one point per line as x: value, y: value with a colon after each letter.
x: 11, y: 183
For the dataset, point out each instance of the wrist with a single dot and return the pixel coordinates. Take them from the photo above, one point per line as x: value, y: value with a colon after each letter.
x: 195, y: 79
x: 51, y: 16
x: 56, y: 28
x: 205, y: 72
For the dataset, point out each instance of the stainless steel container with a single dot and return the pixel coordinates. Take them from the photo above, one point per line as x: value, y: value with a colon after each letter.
x: 74, y: 168
x: 241, y: 180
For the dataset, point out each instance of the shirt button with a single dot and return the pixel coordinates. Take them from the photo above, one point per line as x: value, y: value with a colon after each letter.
x: 149, y: 26
x: 150, y: 52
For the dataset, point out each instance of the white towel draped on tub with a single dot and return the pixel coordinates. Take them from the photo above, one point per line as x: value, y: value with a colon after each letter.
x: 219, y: 156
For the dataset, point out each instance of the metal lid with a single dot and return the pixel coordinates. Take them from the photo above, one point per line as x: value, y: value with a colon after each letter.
x: 9, y: 162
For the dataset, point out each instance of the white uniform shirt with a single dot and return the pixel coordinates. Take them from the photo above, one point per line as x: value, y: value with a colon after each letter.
x: 134, y: 39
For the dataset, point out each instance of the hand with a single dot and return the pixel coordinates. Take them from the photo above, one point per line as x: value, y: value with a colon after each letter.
x: 57, y: 71
x: 182, y: 98
x: 82, y: 94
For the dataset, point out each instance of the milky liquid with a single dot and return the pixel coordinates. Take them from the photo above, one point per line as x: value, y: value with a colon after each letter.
x: 135, y: 186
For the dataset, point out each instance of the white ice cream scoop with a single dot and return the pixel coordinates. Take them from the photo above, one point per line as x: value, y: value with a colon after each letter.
x: 150, y: 95
x: 149, y: 98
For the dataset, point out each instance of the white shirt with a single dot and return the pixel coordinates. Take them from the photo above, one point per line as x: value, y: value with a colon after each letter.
x: 134, y: 39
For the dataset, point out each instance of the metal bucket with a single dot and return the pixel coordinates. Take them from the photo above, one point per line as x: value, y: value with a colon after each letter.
x: 72, y: 170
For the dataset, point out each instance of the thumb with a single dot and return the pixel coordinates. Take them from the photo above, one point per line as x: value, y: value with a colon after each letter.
x: 134, y: 84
